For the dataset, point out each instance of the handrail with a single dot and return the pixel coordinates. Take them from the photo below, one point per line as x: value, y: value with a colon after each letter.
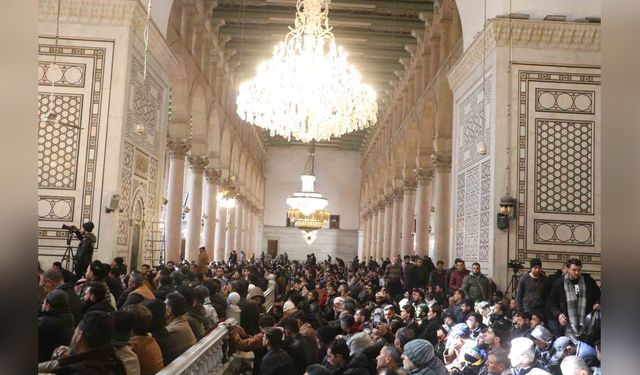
x: 269, y: 296
x: 205, y: 357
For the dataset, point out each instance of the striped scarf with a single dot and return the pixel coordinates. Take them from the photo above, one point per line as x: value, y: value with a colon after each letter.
x: 576, y: 305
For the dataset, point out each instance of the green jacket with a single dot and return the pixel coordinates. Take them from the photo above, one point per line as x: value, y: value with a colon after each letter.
x: 476, y: 288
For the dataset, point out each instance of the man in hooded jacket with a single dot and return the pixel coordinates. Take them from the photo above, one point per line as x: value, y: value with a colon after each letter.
x: 85, y: 248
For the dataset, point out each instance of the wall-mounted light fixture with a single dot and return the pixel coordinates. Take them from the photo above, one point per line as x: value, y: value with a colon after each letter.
x: 507, y: 211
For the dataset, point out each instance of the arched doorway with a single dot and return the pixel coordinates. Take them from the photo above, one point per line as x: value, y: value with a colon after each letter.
x: 137, y: 233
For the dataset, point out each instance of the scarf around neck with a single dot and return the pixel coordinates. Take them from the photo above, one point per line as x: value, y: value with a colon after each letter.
x: 576, y: 304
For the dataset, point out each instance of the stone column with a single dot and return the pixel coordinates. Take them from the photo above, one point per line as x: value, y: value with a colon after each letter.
x: 239, y: 230
x: 211, y: 212
x: 366, y: 225
x: 373, y: 236
x: 178, y: 149
x: 194, y: 218
x: 380, y: 242
x: 396, y: 223
x: 441, y: 222
x: 423, y: 211
x: 388, y: 217
x: 221, y: 226
x: 250, y: 236
x: 408, y: 215
x: 230, y: 235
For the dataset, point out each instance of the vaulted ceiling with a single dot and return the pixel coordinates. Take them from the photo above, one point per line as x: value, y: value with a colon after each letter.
x: 378, y: 35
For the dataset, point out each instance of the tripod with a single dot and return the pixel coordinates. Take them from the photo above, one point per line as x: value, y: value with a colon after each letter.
x: 513, y: 284
x: 68, y: 253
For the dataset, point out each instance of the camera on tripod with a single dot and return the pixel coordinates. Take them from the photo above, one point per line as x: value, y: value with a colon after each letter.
x: 69, y: 227
x: 515, y: 265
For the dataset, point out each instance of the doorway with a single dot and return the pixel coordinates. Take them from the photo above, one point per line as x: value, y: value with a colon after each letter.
x: 135, y: 247
x: 272, y: 248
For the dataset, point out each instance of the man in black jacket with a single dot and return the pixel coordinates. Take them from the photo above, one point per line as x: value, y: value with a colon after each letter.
x: 276, y: 361
x: 343, y: 363
x: 53, y: 280
x: 296, y: 345
x: 85, y: 248
x: 55, y: 324
x: 90, y: 351
x: 530, y: 292
x: 434, y: 321
x: 572, y: 297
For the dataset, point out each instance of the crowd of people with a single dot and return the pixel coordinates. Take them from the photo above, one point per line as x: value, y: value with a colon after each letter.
x: 400, y: 316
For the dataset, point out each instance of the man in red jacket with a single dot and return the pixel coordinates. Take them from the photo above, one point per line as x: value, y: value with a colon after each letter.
x: 457, y: 276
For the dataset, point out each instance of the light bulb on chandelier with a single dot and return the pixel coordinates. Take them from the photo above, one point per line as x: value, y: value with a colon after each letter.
x: 308, y: 90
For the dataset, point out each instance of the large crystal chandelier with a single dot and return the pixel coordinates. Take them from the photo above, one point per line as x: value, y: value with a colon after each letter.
x: 308, y: 90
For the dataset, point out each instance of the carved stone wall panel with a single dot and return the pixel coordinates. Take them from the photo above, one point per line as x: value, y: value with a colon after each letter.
x: 558, y: 168
x: 460, y: 216
x: 565, y: 101
x: 564, y: 166
x: 152, y: 194
x: 71, y: 149
x: 473, y: 129
x: 126, y: 180
x: 68, y: 74
x: 485, y: 210
x: 473, y: 183
x: 52, y: 208
x: 472, y: 213
x: 563, y: 232
x: 146, y: 96
x: 58, y: 141
x: 141, y: 165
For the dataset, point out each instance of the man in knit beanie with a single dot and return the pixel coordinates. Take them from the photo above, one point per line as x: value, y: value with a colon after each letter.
x: 419, y: 359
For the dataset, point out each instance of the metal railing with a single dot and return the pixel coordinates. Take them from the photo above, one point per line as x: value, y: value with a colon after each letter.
x: 205, y: 357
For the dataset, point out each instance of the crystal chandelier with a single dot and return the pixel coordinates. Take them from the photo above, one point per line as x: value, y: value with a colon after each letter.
x: 307, y: 211
x: 308, y: 223
x: 308, y: 90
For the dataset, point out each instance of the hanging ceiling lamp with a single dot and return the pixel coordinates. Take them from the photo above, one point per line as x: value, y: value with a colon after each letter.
x: 227, y: 195
x: 307, y: 210
x: 308, y: 90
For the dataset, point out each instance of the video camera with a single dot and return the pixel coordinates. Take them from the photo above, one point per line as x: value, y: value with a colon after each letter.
x: 515, y: 265
x: 69, y: 227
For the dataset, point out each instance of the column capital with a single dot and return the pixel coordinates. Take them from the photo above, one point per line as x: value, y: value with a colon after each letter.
x: 388, y: 199
x: 423, y: 175
x: 410, y: 185
x: 178, y: 147
x: 212, y: 175
x: 398, y: 193
x: 441, y: 160
x: 198, y: 163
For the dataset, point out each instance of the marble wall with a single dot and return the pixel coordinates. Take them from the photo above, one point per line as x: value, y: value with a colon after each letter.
x: 112, y: 130
x: 542, y: 139
x: 337, y: 243
x: 71, y: 152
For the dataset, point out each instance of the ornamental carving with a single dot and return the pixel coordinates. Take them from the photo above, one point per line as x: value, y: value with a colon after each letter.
x: 525, y: 33
x: 441, y: 160
x: 178, y: 148
x: 198, y: 163
x: 423, y: 175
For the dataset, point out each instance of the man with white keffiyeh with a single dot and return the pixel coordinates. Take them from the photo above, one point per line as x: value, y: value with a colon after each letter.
x: 572, y: 297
